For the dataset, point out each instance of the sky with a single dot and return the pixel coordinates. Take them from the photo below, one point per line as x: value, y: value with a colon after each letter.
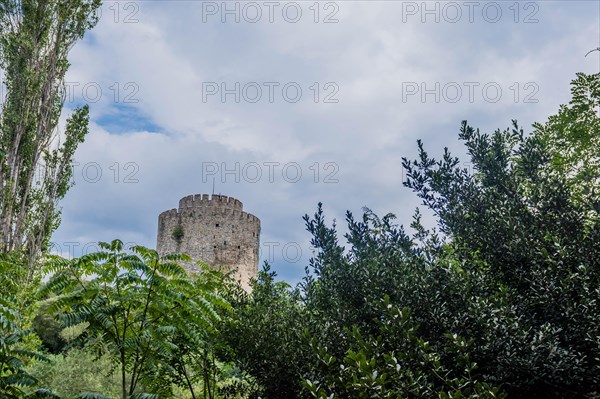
x: 288, y: 104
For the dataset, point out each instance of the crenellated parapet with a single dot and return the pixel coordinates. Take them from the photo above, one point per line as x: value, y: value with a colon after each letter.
x: 205, y: 200
x: 198, y: 205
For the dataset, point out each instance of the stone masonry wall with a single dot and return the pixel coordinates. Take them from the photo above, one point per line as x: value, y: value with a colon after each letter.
x: 215, y: 230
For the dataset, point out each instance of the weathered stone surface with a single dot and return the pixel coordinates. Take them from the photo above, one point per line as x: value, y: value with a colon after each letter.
x: 215, y: 230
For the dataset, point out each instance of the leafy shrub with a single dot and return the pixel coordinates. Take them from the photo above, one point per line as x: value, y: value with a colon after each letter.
x: 77, y: 371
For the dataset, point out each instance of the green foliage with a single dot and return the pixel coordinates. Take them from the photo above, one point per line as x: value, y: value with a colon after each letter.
x: 35, y: 168
x: 528, y: 225
x: 372, y: 368
x: 48, y: 329
x: 141, y: 308
x: 13, y: 375
x: 14, y: 355
x: 17, y: 344
x: 235, y: 385
x: 193, y: 360
x: 406, y: 347
x: 76, y: 371
x: 265, y: 334
x: 572, y: 140
x: 178, y: 233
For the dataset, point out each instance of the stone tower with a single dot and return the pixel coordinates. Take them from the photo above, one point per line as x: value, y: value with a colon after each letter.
x: 215, y: 230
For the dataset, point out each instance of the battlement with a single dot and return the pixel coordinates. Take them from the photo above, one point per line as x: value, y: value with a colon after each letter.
x: 170, y: 213
x: 204, y: 200
x: 195, y: 206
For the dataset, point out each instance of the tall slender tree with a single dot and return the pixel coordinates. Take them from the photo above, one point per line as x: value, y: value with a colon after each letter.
x: 35, y: 157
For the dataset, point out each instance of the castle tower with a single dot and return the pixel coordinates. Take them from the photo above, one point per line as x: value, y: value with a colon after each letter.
x: 215, y: 230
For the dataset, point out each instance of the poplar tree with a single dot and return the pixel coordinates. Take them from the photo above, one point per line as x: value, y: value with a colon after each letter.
x: 35, y: 154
